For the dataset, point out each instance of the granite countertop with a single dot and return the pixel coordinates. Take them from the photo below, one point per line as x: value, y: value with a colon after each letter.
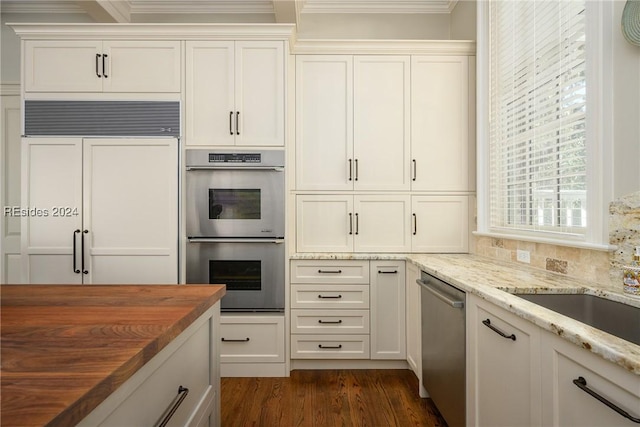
x: 67, y: 348
x: 494, y: 281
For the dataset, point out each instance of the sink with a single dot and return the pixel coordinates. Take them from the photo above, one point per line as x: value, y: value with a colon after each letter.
x: 616, y: 318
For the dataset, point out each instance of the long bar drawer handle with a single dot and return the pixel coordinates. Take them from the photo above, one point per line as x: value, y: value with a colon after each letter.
x: 387, y: 272
x: 182, y: 394
x: 329, y: 271
x: 330, y: 322
x: 334, y: 347
x: 582, y: 384
x: 488, y: 324
x: 329, y: 296
x: 228, y: 340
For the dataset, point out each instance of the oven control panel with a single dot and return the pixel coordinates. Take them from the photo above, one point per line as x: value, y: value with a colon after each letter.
x: 235, y: 158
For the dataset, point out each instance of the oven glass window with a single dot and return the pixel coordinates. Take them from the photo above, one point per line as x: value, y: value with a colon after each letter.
x: 237, y: 275
x: 230, y: 203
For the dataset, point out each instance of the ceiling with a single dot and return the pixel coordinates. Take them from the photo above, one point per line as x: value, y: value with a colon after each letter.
x: 124, y: 11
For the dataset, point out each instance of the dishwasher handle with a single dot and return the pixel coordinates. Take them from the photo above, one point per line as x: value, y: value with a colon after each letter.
x: 438, y: 294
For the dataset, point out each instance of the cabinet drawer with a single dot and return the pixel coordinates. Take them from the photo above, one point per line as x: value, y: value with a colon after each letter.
x: 143, y: 399
x: 330, y: 321
x: 330, y: 271
x: 330, y: 296
x: 252, y: 339
x: 330, y: 346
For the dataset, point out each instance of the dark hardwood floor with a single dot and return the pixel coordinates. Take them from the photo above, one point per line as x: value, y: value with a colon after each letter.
x: 328, y: 398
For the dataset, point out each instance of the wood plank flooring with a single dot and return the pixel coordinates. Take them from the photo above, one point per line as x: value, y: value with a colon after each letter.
x: 328, y: 398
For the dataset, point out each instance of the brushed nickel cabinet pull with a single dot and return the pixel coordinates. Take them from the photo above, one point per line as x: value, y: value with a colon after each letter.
x: 182, y: 394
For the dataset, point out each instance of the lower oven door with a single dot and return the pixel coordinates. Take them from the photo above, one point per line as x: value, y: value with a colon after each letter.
x: 252, y: 269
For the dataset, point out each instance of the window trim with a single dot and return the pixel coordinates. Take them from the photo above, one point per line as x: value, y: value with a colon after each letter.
x: 599, y: 71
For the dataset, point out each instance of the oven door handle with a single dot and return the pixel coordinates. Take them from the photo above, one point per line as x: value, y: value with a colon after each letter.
x: 234, y: 168
x: 236, y: 240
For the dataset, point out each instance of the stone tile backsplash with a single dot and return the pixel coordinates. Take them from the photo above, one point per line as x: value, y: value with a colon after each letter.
x: 600, y: 268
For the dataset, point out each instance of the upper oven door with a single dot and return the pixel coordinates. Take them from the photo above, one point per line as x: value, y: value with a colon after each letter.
x: 235, y: 202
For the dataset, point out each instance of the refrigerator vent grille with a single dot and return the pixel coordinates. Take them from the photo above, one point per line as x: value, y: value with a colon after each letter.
x: 102, y: 118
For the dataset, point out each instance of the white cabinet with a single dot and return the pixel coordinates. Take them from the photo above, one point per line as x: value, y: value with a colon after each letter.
x: 567, y: 368
x: 102, y: 66
x: 346, y: 223
x: 252, y: 345
x: 440, y: 224
x: 413, y: 320
x: 440, y: 124
x: 330, y: 317
x: 96, y: 208
x: 388, y: 332
x: 503, y: 354
x: 235, y: 93
x: 190, y: 361
x: 352, y: 122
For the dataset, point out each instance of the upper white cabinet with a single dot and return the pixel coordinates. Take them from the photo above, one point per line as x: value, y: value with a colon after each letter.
x: 440, y: 224
x: 352, y: 122
x: 440, y: 124
x: 345, y: 223
x: 235, y: 93
x: 98, y: 207
x: 102, y: 66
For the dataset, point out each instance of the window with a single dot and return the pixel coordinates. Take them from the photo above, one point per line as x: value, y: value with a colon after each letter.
x: 537, y: 140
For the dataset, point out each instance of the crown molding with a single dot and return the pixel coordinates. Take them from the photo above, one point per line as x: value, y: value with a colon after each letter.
x: 28, y: 31
x: 10, y: 88
x: 385, y: 47
x: 195, y: 6
x: 40, y: 6
x: 378, y: 6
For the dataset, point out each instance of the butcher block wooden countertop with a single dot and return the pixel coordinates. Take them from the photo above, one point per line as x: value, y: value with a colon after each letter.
x: 64, y: 349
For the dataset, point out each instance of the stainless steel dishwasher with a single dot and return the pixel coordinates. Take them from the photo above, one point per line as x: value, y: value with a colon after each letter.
x: 443, y: 347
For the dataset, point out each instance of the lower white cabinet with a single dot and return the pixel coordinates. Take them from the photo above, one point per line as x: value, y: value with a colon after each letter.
x: 539, y: 378
x: 568, y: 371
x: 348, y: 309
x: 252, y: 345
x: 413, y: 320
x: 189, y: 362
x: 388, y: 334
x: 504, y: 367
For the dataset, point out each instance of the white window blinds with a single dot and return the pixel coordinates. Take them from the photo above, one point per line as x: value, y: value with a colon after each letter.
x: 537, y: 110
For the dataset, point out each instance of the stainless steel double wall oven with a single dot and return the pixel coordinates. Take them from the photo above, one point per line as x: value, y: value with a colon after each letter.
x: 235, y: 225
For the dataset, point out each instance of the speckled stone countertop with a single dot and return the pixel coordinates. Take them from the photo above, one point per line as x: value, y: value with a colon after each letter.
x: 494, y: 280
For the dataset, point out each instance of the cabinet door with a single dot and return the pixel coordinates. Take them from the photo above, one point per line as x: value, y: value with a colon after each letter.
x: 141, y: 66
x: 259, y: 93
x: 62, y: 66
x: 324, y: 223
x: 441, y: 224
x: 413, y: 319
x: 381, y: 122
x: 131, y: 210
x: 324, y: 122
x: 209, y: 97
x: 440, y: 123
x: 565, y: 404
x: 51, y: 184
x: 388, y: 310
x: 382, y: 223
x: 504, y: 373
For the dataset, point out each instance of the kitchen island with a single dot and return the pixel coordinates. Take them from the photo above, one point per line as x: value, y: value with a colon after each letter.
x: 72, y: 353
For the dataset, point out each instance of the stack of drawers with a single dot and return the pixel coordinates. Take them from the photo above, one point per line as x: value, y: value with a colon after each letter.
x: 330, y: 309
